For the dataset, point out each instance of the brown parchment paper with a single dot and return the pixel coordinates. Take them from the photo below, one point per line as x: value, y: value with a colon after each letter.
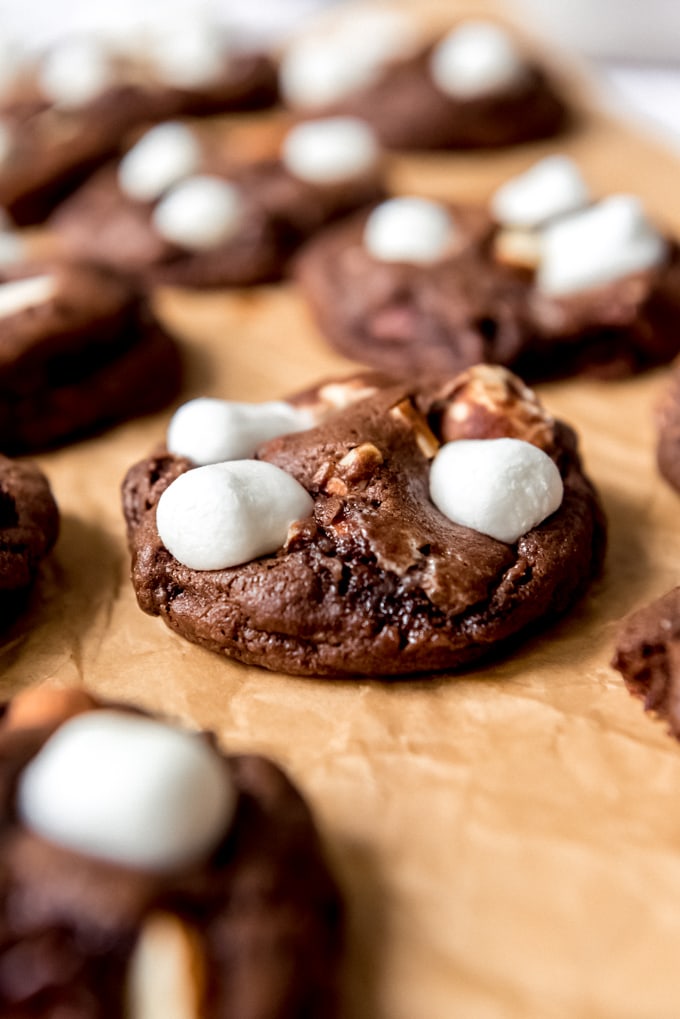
x: 508, y: 839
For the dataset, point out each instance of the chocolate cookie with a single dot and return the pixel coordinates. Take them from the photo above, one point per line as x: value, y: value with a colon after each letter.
x: 326, y: 554
x: 78, y: 106
x: 474, y: 88
x: 648, y: 657
x: 424, y: 287
x: 125, y: 894
x: 79, y: 350
x: 29, y: 523
x: 668, y: 431
x: 177, y: 215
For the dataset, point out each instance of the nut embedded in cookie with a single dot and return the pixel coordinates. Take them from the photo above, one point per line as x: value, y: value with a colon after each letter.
x: 371, y: 577
x: 545, y: 280
x: 124, y: 893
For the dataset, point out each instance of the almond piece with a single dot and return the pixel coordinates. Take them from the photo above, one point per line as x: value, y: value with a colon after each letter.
x: 166, y: 975
x: 518, y: 248
x: 46, y: 706
x: 411, y: 417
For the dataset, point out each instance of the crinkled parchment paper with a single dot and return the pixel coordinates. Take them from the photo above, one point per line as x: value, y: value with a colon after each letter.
x: 508, y: 839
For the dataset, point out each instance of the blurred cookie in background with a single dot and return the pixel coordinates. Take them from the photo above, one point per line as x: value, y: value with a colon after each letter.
x: 145, y: 873
x: 545, y: 279
x: 476, y: 87
x: 29, y: 524
x: 65, y: 111
x: 80, y: 350
x: 171, y: 211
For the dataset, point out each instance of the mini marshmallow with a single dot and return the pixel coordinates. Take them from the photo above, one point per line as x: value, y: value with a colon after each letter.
x: 161, y: 158
x: 12, y: 248
x: 320, y: 69
x: 332, y: 150
x: 188, y: 53
x: 474, y: 59
x: 6, y: 142
x: 19, y: 295
x: 499, y: 487
x: 76, y: 72
x: 319, y: 72
x: 210, y: 431
x: 225, y: 514
x: 199, y: 213
x: 127, y: 789
x: 12, y: 63
x: 413, y: 230
x: 597, y: 246
x: 552, y: 187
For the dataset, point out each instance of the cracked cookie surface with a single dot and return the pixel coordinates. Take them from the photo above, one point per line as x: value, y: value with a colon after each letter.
x: 377, y: 581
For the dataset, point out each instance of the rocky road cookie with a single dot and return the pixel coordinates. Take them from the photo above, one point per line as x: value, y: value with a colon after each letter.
x: 79, y: 350
x: 474, y: 88
x: 171, y: 215
x: 365, y: 527
x: 145, y: 874
x: 29, y: 523
x: 83, y: 97
x: 544, y: 281
x: 648, y: 656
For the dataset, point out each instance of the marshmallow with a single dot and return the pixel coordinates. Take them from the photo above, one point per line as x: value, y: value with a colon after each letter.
x: 552, y: 187
x: 225, y: 514
x: 19, y: 295
x: 377, y: 37
x: 474, y: 59
x: 199, y: 213
x: 320, y: 72
x: 12, y: 63
x: 127, y: 789
x: 187, y: 53
x: 75, y: 72
x: 499, y: 487
x: 330, y: 151
x: 12, y: 249
x: 601, y: 244
x: 161, y: 158
x: 210, y: 431
x: 413, y: 230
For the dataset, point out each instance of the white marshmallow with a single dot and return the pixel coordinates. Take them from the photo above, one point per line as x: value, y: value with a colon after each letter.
x: 12, y: 62
x: 499, y: 487
x: 127, y: 789
x: 12, y: 248
x: 332, y: 150
x: 18, y: 295
x: 376, y: 37
x: 161, y: 158
x: 75, y: 72
x: 413, y: 230
x: 210, y: 431
x: 224, y: 514
x: 318, y: 72
x: 552, y: 187
x: 319, y: 69
x: 199, y: 213
x: 474, y: 59
x: 188, y: 53
x: 601, y: 244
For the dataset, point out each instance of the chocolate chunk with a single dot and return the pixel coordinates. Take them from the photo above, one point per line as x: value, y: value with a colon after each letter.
x: 378, y: 581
